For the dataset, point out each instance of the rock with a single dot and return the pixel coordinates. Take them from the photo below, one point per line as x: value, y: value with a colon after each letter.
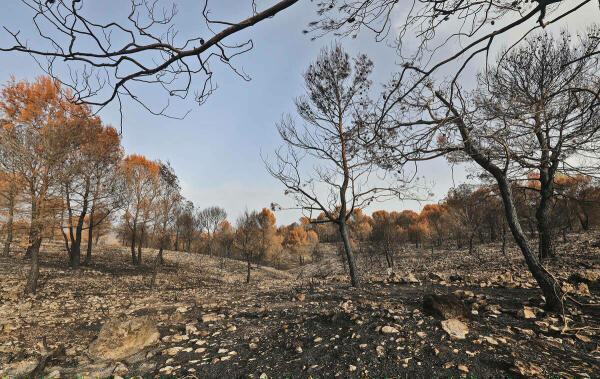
x: 253, y: 346
x: 582, y: 338
x: 172, y: 350
x: 54, y: 374
x: 232, y: 328
x: 389, y: 330
x: 210, y: 317
x: 380, y: 350
x: 526, y: 369
x: 167, y: 370
x: 179, y: 338
x: 120, y: 369
x: 491, y: 340
x: 582, y: 289
x: 200, y: 350
x: 298, y: 349
x: 318, y: 339
x: 301, y: 297
x: 190, y: 329
x: 526, y: 313
x: 352, y: 368
x: 455, y: 328
x: 403, y: 278
x: 20, y: 368
x: 463, y: 368
x: 120, y: 338
x: 445, y: 307
x: 422, y: 334
x: 505, y: 277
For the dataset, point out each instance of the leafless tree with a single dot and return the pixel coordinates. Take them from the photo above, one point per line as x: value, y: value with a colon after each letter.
x: 331, y: 138
x: 209, y: 219
x: 532, y: 113
x: 422, y: 31
x: 103, y: 60
x: 247, y: 237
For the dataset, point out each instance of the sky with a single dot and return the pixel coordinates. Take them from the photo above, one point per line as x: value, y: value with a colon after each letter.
x: 216, y: 149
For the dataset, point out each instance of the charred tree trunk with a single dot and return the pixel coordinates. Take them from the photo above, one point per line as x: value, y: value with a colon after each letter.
x: 34, y: 271
x: 388, y: 257
x: 349, y: 253
x: 504, y: 239
x: 549, y: 286
x: 139, y: 249
x: 248, y: 260
x: 133, y: 232
x: 157, y: 263
x: 9, y: 225
x: 88, y: 253
x: 544, y: 222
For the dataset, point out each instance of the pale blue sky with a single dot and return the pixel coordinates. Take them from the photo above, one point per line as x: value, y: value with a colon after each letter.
x: 216, y: 149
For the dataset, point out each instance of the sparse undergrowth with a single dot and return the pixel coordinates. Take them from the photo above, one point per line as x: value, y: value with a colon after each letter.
x: 298, y: 323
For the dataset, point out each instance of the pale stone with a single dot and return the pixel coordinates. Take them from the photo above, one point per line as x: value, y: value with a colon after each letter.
x: 455, y: 328
x: 121, y: 338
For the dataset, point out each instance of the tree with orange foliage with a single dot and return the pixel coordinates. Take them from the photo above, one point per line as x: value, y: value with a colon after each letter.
x: 434, y: 215
x: 360, y: 225
x: 299, y: 241
x: 270, y: 241
x: 224, y: 237
x: 35, y: 119
x: 11, y: 187
x: 142, y: 183
x: 89, y: 177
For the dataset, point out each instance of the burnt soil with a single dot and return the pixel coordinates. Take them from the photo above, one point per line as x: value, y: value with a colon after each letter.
x: 307, y: 322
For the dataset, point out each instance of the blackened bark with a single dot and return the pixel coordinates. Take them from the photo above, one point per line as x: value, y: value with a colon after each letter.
x: 543, y: 216
x: 133, y: 231
x: 9, y: 225
x: 139, y: 250
x: 157, y: 262
x: 549, y: 286
x: 248, y: 259
x: 349, y: 253
x: 34, y: 270
x: 88, y: 253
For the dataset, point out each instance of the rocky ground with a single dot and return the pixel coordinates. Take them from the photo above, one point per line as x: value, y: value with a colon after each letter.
x: 444, y: 313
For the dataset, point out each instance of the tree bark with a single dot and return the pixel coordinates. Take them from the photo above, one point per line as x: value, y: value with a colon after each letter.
x: 157, y: 262
x: 543, y: 216
x: 133, y: 231
x: 388, y: 258
x: 349, y: 254
x: 139, y: 249
x: 549, y: 286
x: 249, y: 267
x: 9, y: 225
x: 88, y: 253
x: 34, y: 271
